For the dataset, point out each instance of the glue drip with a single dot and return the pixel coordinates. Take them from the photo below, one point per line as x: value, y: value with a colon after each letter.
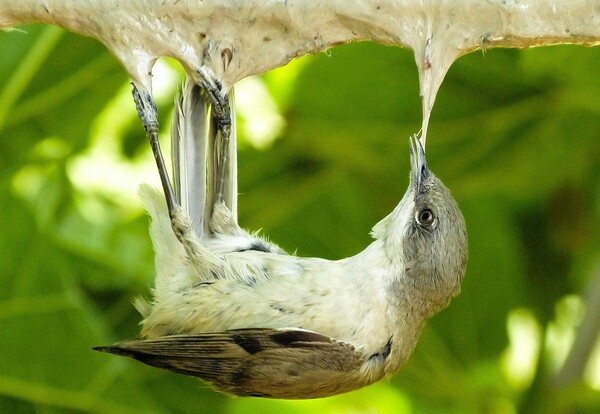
x: 432, y: 69
x: 436, y: 47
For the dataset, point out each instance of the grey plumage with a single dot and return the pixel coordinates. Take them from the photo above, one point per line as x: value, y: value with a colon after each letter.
x: 235, y: 310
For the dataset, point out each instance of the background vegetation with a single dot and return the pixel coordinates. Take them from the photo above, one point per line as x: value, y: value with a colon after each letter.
x: 323, y: 156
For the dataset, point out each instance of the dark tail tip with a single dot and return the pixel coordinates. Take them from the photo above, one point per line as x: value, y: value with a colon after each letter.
x: 116, y: 350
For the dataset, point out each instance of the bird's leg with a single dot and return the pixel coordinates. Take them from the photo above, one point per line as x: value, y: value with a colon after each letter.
x: 146, y: 108
x: 180, y: 222
x: 221, y: 115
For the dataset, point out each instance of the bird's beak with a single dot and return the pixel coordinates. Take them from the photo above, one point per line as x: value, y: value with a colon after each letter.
x: 418, y: 163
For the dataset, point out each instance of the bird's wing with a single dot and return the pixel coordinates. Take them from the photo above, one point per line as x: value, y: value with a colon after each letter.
x: 278, y: 363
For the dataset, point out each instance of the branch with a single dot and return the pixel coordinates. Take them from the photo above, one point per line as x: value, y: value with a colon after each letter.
x: 587, y: 335
x: 254, y: 36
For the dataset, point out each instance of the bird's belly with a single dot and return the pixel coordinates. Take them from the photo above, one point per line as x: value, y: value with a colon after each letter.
x: 340, y: 313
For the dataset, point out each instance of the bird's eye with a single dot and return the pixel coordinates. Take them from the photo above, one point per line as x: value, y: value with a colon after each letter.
x: 426, y: 217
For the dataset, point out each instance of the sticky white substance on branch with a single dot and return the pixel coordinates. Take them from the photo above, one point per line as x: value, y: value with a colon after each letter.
x: 259, y: 35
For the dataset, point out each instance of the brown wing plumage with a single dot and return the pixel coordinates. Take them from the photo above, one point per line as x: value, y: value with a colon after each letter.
x: 277, y: 363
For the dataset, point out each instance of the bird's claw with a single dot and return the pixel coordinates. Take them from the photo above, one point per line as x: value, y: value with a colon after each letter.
x: 218, y: 100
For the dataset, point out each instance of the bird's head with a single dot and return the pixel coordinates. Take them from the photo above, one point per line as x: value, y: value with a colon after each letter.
x: 426, y: 235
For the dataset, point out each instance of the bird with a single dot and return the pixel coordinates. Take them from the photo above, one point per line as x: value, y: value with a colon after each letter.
x: 237, y: 311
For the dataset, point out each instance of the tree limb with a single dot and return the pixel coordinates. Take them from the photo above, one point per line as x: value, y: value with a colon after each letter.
x: 259, y: 35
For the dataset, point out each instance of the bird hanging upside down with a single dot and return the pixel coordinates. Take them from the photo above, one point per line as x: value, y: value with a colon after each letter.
x: 251, y: 320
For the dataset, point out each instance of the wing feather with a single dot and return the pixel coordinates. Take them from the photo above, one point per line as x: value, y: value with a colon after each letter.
x: 278, y: 363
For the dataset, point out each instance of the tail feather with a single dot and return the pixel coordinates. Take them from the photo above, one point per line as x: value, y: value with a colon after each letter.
x: 188, y: 147
x: 195, y: 139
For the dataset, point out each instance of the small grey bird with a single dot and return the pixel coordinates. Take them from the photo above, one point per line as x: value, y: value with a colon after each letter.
x: 251, y: 320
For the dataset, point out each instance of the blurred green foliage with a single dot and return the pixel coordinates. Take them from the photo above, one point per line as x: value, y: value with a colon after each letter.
x: 514, y: 134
